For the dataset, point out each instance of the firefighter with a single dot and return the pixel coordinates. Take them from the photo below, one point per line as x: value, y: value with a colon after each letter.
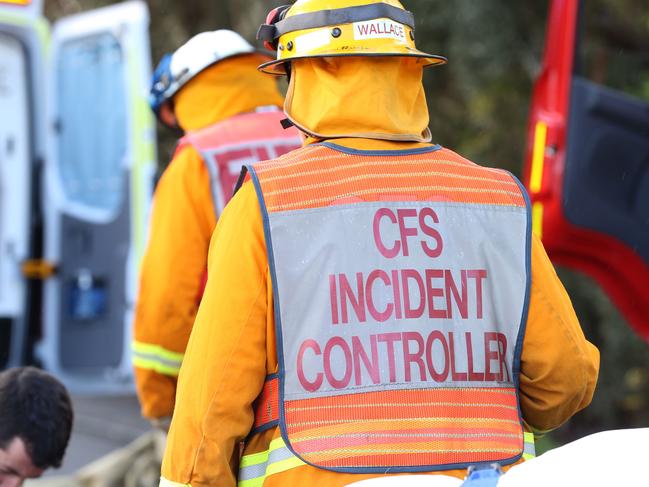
x: 210, y: 89
x: 381, y: 305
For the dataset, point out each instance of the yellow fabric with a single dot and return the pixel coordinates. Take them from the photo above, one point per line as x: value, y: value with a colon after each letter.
x: 223, y: 90
x: 182, y: 222
x: 370, y: 98
x: 232, y: 348
x: 181, y: 225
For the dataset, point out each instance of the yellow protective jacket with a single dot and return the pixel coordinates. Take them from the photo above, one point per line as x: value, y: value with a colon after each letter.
x: 232, y: 347
x: 181, y: 225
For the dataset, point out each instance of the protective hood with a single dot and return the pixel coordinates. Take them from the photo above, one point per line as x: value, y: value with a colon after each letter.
x: 360, y: 97
x: 228, y: 88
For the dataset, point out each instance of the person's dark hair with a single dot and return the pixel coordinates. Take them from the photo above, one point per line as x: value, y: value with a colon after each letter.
x: 35, y: 407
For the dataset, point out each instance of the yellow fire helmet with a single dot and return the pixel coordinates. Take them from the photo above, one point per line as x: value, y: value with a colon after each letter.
x: 322, y: 28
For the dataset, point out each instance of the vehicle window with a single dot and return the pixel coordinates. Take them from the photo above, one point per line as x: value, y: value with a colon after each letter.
x: 614, y: 45
x: 92, y: 120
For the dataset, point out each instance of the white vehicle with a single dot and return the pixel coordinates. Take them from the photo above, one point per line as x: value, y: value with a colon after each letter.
x: 77, y: 151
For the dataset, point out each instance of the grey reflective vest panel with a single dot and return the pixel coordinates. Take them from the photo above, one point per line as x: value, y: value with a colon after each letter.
x: 338, y: 281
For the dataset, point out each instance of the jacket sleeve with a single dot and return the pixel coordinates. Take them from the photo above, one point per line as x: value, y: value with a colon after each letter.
x: 225, y: 365
x: 175, y: 261
x: 559, y: 366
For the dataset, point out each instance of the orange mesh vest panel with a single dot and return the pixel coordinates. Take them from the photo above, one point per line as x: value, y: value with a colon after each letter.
x: 401, y: 282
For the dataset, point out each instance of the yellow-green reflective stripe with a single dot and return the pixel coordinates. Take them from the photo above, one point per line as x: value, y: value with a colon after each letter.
x: 154, y: 357
x: 168, y: 483
x: 529, y: 450
x: 254, y: 459
x: 156, y: 367
x: 256, y: 467
x: 157, y: 350
x: 255, y: 462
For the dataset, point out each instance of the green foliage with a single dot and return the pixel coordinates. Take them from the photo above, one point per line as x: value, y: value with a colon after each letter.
x: 480, y: 100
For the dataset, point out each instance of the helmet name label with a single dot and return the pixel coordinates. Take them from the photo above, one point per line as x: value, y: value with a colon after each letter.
x: 380, y: 29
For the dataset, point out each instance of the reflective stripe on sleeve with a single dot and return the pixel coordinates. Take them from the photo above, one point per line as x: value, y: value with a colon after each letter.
x: 254, y: 468
x: 156, y: 358
x: 529, y: 450
x: 168, y: 483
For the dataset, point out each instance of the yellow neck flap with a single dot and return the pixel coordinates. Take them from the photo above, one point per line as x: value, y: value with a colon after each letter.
x: 223, y: 90
x: 360, y: 97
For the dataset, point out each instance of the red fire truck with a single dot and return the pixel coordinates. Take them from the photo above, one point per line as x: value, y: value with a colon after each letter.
x: 587, y: 161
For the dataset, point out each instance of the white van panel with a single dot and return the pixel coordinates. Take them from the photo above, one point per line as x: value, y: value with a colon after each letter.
x: 14, y: 174
x: 98, y: 185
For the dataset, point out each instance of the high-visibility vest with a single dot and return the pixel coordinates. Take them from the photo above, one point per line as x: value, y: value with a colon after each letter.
x: 401, y: 283
x: 224, y: 147
x: 227, y: 146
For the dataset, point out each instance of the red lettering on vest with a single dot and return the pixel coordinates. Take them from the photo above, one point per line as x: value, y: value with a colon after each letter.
x: 407, y: 294
x: 360, y: 355
x: 453, y: 294
x: 389, y: 339
x: 410, y: 357
x: 431, y: 232
x: 388, y: 253
x: 333, y: 298
x: 342, y: 344
x: 502, y: 353
x: 455, y: 375
x: 411, y: 274
x: 406, y: 230
x: 437, y: 376
x: 434, y: 292
x: 377, y: 315
x: 473, y: 376
x: 489, y: 356
x: 478, y: 275
x: 357, y: 302
x: 308, y: 385
x: 396, y: 290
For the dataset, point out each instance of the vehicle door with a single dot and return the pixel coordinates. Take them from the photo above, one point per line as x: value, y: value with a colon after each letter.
x: 23, y: 43
x: 98, y: 185
x: 588, y: 157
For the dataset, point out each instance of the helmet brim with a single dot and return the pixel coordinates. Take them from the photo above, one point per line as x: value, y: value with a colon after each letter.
x: 277, y: 67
